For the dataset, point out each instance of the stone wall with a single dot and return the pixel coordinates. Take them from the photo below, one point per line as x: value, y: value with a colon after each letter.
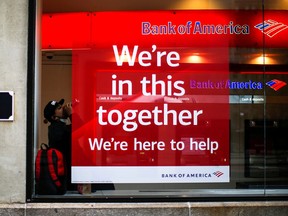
x: 13, y: 77
x: 149, y: 209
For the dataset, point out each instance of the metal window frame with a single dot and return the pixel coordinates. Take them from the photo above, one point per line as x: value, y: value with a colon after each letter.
x: 33, y: 101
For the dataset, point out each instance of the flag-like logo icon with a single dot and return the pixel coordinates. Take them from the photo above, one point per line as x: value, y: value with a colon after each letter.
x: 218, y: 173
x: 271, y: 27
x: 276, y: 84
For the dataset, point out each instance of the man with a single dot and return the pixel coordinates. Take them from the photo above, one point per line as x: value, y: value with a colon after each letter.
x: 59, y: 132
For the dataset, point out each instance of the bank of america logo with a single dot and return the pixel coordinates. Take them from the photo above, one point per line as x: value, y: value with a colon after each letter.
x: 276, y: 84
x: 271, y: 27
x: 218, y: 173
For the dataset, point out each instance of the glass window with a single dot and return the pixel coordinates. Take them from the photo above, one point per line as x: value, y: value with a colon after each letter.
x: 169, y: 101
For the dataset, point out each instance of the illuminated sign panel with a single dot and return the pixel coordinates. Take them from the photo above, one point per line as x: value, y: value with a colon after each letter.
x: 241, y: 28
x: 66, y: 30
x: 140, y: 119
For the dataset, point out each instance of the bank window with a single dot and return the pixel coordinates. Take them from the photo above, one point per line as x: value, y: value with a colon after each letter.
x: 161, y: 101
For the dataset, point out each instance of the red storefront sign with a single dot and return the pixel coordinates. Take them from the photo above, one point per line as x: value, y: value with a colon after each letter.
x: 242, y: 28
x: 149, y: 113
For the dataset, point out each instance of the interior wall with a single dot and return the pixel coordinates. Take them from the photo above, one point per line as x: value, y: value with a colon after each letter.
x: 56, y: 84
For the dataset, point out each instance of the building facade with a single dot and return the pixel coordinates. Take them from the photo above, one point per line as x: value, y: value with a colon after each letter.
x: 238, y: 142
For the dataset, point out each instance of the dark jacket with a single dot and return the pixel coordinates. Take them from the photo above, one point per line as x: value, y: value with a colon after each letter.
x: 59, y: 136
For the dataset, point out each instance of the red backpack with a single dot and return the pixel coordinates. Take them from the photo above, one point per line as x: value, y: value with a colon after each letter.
x: 50, y: 171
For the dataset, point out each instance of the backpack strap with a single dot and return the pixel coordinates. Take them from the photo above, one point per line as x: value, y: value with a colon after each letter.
x: 51, y: 155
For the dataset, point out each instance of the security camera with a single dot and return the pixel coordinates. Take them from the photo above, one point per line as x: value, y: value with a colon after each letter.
x: 49, y: 55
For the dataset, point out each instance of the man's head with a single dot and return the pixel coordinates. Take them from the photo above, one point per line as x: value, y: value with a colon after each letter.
x: 53, y: 109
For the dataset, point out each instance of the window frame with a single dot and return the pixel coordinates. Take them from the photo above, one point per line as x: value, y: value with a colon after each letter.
x: 33, y: 95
